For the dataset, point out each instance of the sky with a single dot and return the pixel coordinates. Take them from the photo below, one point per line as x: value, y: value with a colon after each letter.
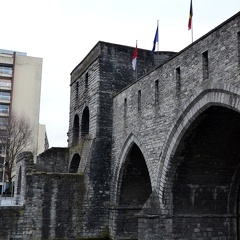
x: 62, y: 32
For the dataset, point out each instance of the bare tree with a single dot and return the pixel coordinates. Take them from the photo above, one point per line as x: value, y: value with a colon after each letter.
x: 15, y: 136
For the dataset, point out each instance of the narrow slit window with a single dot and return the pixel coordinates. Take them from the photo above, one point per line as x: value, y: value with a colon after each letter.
x: 125, y: 107
x: 205, y: 65
x: 139, y: 100
x: 156, y: 91
x: 178, y: 78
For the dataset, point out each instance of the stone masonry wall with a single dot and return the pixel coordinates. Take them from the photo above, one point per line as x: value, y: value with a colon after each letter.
x: 54, y: 204
x: 53, y: 160
x: 182, y: 81
x: 51, y: 205
x: 11, y: 222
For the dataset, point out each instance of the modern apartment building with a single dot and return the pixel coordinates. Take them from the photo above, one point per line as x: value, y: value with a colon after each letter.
x: 20, y: 91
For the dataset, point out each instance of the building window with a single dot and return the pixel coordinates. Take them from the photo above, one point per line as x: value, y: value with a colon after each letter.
x: 205, y: 65
x: 4, y: 108
x: 178, y: 79
x: 6, y: 70
x: 86, y: 80
x: 5, y: 96
x: 3, y: 121
x: 139, y: 100
x: 125, y: 107
x: 5, y: 83
x: 156, y: 91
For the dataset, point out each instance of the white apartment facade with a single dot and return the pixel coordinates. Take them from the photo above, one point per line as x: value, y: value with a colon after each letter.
x: 20, y: 91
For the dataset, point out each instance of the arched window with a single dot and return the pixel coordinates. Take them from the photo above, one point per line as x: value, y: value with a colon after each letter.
x: 85, y: 122
x: 74, y: 163
x: 76, y: 129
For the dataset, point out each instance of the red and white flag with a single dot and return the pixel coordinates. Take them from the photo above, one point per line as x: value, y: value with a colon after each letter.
x: 190, y: 16
x: 134, y: 60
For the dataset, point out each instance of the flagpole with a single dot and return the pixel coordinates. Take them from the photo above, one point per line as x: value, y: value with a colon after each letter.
x: 192, y: 31
x: 191, y: 13
x: 158, y: 36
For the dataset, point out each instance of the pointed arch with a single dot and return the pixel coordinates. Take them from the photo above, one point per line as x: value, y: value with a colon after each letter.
x: 134, y: 186
x: 195, y: 106
x: 129, y: 142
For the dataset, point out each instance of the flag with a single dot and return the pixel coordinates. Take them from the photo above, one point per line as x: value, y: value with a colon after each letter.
x: 134, y: 60
x: 155, y: 40
x: 190, y: 17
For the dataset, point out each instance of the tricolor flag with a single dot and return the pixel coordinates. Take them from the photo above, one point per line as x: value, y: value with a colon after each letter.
x: 134, y: 60
x: 190, y: 17
x: 155, y: 40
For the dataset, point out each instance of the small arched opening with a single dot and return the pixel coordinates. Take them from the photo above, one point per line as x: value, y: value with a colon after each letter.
x: 76, y: 129
x: 85, y: 122
x: 74, y: 163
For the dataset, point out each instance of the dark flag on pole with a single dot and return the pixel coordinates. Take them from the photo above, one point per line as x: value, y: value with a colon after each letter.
x: 190, y: 17
x: 155, y: 40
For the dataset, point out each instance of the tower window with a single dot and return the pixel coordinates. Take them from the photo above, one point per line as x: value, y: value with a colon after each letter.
x: 85, y: 123
x: 156, y: 91
x: 205, y: 65
x: 139, y: 100
x: 76, y: 129
x: 125, y: 107
x: 178, y: 79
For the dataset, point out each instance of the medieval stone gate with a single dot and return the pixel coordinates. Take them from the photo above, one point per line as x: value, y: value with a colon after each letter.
x: 152, y: 158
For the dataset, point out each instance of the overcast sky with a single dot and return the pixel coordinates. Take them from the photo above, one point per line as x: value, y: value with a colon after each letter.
x: 62, y: 32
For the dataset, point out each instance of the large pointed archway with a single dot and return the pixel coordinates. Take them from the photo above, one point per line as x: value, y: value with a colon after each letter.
x: 204, y: 172
x: 134, y: 189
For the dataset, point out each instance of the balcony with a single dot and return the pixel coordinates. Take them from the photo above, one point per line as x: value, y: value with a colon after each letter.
x: 5, y: 99
x: 4, y: 112
x: 5, y: 85
x: 5, y: 71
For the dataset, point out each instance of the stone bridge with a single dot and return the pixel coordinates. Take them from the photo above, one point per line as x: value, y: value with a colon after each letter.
x: 153, y: 154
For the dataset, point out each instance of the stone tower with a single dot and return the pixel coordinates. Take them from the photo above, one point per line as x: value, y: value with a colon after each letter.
x: 105, y: 71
